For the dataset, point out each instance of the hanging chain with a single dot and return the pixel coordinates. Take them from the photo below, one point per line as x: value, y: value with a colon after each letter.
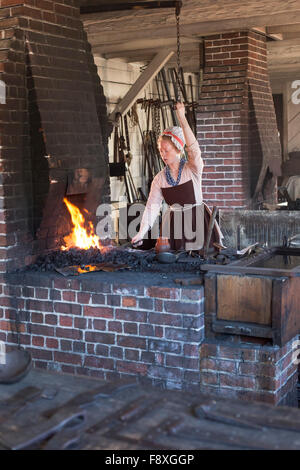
x: 177, y: 13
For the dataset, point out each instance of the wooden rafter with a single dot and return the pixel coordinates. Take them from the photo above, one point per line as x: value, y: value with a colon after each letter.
x: 144, y: 79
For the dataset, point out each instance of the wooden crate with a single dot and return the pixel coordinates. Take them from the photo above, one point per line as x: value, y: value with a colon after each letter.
x: 252, y: 305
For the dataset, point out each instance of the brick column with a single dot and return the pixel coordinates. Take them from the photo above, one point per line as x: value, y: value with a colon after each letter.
x: 236, y: 120
x: 54, y: 121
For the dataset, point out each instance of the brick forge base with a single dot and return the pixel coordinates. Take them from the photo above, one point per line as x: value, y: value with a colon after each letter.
x: 249, y: 372
x: 111, y: 325
x: 106, y: 328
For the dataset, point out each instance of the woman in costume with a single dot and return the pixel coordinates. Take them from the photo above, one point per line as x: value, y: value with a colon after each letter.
x: 179, y: 184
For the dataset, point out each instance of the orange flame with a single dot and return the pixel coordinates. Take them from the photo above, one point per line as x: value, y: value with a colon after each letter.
x: 80, y: 237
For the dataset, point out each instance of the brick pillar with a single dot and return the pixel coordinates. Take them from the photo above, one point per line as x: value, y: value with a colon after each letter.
x: 236, y: 121
x: 54, y: 121
x: 249, y: 372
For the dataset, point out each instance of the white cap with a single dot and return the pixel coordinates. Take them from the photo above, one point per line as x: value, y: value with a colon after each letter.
x: 176, y: 135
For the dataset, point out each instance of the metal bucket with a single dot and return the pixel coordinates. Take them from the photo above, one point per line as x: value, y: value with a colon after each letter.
x: 14, y: 366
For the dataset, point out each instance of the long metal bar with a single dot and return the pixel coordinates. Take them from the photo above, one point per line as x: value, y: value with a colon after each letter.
x: 110, y: 7
x: 163, y: 75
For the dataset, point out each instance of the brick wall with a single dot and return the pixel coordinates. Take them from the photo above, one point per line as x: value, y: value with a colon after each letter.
x: 236, y: 119
x: 53, y: 122
x: 104, y: 329
x: 95, y: 327
x: 249, y: 371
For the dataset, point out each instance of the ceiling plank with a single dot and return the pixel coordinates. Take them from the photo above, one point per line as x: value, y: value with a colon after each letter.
x: 144, y: 79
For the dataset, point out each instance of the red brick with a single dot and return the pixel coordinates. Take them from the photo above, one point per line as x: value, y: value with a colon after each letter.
x: 132, y: 367
x: 159, y: 332
x: 65, y: 320
x: 68, y: 333
x: 42, y: 330
x: 130, y: 328
x: 182, y: 307
x: 52, y: 343
x: 98, y: 299
x: 38, y: 341
x: 131, y: 315
x: 67, y: 358
x: 210, y: 364
x: 227, y: 366
x: 131, y: 342
x: 38, y: 353
x: 115, y: 326
x: 104, y: 312
x: 191, y: 350
x: 99, y: 362
x: 9, y: 3
x: 37, y: 317
x: 41, y: 293
x: 51, y: 319
x: 69, y: 296
x: 132, y: 355
x: 165, y: 319
x: 83, y: 297
x: 128, y: 302
x: 208, y: 378
x: 97, y: 337
x: 80, y: 323
x: 236, y: 381
x: 267, y: 383
x: 209, y: 350
x: 146, y: 330
x: 163, y: 292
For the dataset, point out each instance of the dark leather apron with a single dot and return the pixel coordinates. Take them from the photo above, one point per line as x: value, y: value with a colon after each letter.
x: 181, y: 195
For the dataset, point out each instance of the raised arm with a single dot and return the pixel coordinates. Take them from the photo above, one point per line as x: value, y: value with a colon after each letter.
x: 192, y: 147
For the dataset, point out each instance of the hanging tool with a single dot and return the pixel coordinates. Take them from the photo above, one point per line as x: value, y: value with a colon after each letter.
x: 167, y: 89
x: 209, y: 231
x: 128, y: 159
x: 117, y: 168
x: 159, y: 100
x: 193, y: 105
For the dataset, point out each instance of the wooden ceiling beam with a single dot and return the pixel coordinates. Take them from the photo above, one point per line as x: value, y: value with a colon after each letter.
x: 294, y: 35
x: 146, y: 45
x: 284, y: 28
x: 187, y: 57
x: 137, y: 5
x: 115, y: 33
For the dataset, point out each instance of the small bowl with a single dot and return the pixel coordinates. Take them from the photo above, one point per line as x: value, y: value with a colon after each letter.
x: 166, y: 257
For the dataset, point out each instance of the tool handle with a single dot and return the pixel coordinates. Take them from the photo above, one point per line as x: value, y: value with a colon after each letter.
x: 209, y: 232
